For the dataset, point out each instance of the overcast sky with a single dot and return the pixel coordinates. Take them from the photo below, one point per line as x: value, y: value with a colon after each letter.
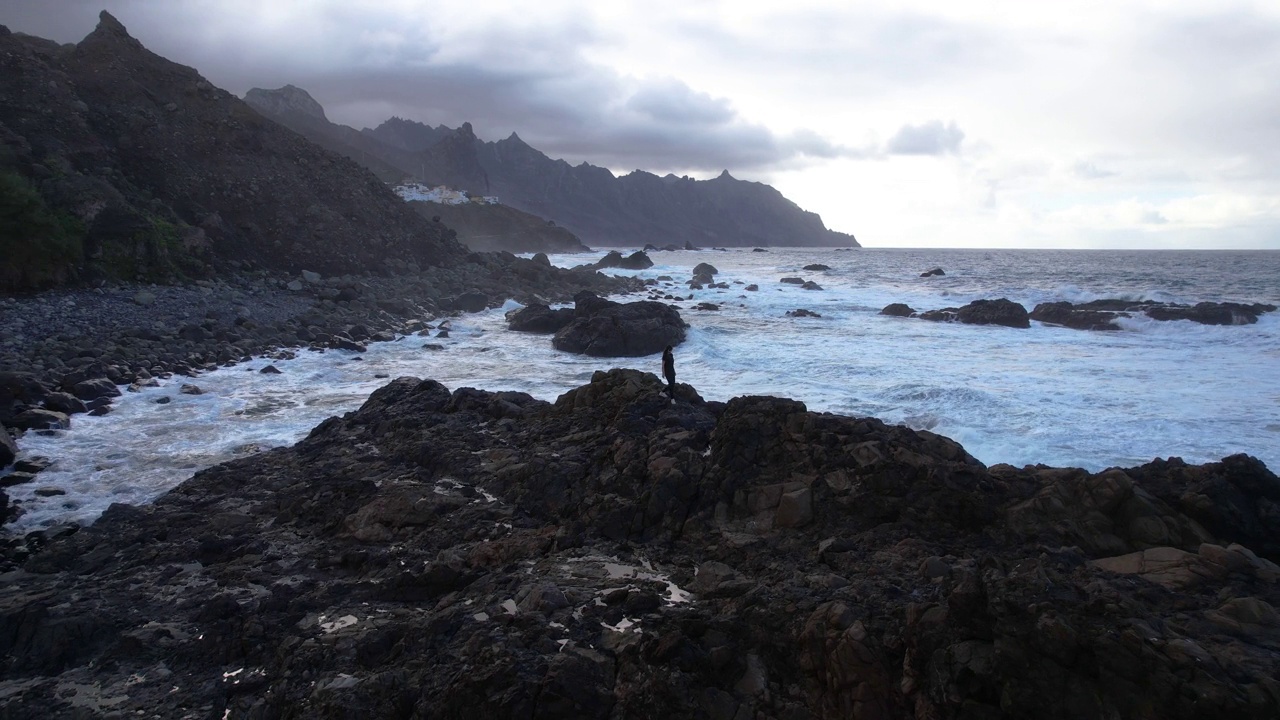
x: 908, y: 123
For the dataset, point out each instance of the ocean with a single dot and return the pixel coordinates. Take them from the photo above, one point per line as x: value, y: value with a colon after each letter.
x: 1047, y: 394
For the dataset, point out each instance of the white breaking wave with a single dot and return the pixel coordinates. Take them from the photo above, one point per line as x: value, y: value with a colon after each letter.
x: 1044, y: 395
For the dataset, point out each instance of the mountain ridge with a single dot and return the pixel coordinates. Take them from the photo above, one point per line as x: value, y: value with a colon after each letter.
x: 596, y: 205
x: 144, y: 170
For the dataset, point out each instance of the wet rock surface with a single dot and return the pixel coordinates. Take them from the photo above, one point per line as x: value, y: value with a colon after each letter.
x: 979, y: 312
x: 604, y: 328
x: 1102, y: 314
x: 618, y: 554
x: 68, y: 351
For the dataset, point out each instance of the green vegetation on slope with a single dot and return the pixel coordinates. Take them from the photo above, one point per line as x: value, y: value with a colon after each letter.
x: 40, y: 247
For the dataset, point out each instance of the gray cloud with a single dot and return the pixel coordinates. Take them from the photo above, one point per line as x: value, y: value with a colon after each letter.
x: 505, y: 78
x: 1088, y: 170
x: 672, y: 101
x: 931, y: 138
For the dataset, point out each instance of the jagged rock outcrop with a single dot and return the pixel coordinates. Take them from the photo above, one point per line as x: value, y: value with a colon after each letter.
x: 637, y: 260
x: 636, y: 209
x: 604, y: 328
x: 405, y: 151
x: 981, y: 312
x: 618, y: 554
x: 152, y: 171
x: 538, y: 318
x: 294, y: 108
x: 1102, y: 314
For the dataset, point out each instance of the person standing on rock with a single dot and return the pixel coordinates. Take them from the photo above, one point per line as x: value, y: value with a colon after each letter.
x: 669, y: 371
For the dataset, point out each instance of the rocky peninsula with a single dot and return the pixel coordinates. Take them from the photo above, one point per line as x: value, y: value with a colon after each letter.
x: 618, y: 554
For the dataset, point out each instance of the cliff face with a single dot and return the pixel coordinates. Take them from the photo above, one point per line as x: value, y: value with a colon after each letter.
x: 601, y: 209
x: 294, y: 108
x: 153, y: 172
x: 400, y: 150
x: 640, y: 207
x: 488, y: 228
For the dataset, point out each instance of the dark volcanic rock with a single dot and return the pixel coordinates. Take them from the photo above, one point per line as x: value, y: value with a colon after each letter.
x: 618, y: 554
x: 8, y: 449
x: 1210, y: 313
x: 994, y: 312
x: 1068, y: 315
x: 469, y: 302
x: 933, y: 272
x: 706, y: 269
x: 65, y: 403
x: 802, y: 313
x: 898, y: 310
x: 603, y: 328
x: 95, y: 388
x: 39, y: 419
x: 637, y: 260
x: 983, y: 312
x: 817, y: 267
x: 538, y: 319
x: 1101, y: 314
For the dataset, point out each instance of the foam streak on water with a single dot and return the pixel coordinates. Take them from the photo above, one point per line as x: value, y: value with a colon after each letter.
x: 1045, y: 395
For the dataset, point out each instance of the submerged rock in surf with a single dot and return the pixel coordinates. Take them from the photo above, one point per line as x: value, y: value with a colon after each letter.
x: 1102, y: 314
x: 983, y: 312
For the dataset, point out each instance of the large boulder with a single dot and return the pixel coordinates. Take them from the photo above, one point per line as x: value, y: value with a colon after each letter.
x: 983, y: 312
x: 603, y: 328
x: 40, y: 419
x: 469, y: 302
x: 1068, y: 315
x: 95, y: 388
x: 65, y: 403
x: 897, y: 310
x: 538, y: 319
x: 994, y: 312
x: 17, y: 391
x: 635, y: 261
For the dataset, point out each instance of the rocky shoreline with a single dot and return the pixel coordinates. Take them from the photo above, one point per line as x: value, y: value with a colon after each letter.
x: 621, y: 554
x: 64, y: 352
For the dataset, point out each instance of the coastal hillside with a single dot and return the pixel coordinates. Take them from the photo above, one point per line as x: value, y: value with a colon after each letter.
x: 431, y: 156
x: 595, y: 205
x: 117, y: 163
x: 641, y: 207
x: 494, y: 227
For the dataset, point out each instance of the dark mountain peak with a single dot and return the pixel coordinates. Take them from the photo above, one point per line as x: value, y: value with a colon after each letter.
x: 4, y: 31
x: 289, y: 98
x: 514, y: 139
x: 107, y: 23
x: 408, y: 135
x: 465, y: 131
x: 168, y: 176
x: 110, y: 30
x: 725, y: 176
